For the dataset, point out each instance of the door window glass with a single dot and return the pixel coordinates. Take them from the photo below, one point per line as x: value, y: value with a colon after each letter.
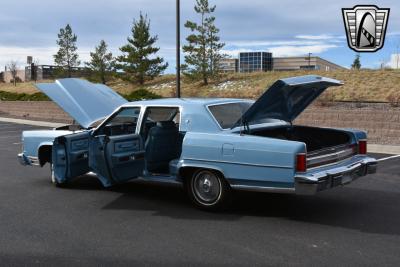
x: 123, y: 123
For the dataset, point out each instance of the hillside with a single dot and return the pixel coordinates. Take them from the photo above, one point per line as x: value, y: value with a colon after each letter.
x: 363, y: 85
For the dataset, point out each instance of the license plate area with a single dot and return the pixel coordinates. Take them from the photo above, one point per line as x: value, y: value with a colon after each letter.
x: 347, y: 177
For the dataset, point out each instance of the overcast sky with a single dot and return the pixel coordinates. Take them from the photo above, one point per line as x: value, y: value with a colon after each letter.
x: 283, y: 27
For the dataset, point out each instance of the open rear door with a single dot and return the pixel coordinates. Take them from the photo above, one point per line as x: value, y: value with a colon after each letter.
x: 117, y: 159
x: 70, y: 156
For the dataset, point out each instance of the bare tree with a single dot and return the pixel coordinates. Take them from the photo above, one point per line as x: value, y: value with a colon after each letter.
x: 12, y: 67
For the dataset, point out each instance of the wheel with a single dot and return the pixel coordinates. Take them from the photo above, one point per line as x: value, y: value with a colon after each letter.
x: 208, y: 190
x: 53, y: 178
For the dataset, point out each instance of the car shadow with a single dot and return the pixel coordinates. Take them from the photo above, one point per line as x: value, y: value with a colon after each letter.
x: 347, y: 207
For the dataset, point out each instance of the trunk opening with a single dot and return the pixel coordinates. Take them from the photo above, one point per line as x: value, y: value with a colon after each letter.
x: 324, y: 146
x: 315, y: 138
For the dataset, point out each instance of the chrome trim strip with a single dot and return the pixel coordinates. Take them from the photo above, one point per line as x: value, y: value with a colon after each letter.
x: 338, y: 156
x: 240, y: 163
x: 264, y: 189
x: 34, y: 160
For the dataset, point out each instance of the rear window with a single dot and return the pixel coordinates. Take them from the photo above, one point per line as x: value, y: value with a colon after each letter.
x: 228, y: 114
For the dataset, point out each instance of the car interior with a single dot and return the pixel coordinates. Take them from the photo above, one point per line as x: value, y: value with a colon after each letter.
x: 159, y: 132
x: 163, y: 141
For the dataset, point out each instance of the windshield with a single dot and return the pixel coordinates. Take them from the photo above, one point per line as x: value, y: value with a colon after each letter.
x: 228, y: 114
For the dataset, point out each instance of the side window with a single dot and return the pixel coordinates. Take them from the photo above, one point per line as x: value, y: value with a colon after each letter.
x: 158, y: 114
x: 124, y: 122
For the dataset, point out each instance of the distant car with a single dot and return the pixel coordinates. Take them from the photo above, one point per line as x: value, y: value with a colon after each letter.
x: 210, y: 146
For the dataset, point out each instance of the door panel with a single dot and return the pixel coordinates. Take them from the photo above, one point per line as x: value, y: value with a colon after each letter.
x: 97, y: 160
x: 70, y: 156
x: 125, y: 157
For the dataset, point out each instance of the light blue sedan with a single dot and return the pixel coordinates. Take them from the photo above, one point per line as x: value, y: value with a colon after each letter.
x: 210, y: 146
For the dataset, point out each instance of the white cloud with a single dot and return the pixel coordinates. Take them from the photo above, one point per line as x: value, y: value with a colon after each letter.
x: 43, y: 54
x: 252, y: 43
x: 316, y: 37
x: 288, y: 51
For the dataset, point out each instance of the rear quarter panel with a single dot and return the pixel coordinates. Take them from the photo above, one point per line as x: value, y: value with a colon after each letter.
x: 243, y: 159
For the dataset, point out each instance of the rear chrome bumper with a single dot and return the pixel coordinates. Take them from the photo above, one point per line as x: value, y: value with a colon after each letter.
x: 310, y: 184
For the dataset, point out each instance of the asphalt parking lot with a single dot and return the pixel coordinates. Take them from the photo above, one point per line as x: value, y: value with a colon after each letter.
x: 147, y: 224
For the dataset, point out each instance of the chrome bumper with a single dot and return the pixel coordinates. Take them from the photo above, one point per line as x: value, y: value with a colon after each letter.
x: 310, y: 184
x: 24, y: 160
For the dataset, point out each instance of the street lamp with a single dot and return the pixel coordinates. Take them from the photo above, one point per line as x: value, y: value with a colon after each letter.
x: 178, y: 49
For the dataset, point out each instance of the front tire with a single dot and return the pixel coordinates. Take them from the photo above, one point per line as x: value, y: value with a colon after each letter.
x: 208, y: 190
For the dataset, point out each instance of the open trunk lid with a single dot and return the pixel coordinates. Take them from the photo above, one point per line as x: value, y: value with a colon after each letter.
x: 84, y: 101
x: 286, y: 99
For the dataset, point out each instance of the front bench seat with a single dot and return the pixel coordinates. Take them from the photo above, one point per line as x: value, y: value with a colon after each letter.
x: 162, y: 146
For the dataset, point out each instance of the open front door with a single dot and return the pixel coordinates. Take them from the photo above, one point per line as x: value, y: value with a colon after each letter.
x: 116, y: 150
x: 70, y: 156
x: 117, y: 159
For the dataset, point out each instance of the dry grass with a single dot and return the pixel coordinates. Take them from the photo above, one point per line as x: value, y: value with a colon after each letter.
x: 363, y: 85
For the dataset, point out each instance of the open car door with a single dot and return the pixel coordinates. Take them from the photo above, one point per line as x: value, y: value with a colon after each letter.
x: 70, y: 155
x: 116, y: 150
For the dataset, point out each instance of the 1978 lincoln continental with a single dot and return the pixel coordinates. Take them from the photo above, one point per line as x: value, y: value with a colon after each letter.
x: 210, y: 146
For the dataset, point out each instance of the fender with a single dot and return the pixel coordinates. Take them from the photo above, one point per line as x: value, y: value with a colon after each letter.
x: 188, y: 164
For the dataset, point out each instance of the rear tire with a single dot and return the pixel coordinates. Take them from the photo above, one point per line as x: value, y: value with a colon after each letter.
x: 208, y: 190
x: 53, y: 178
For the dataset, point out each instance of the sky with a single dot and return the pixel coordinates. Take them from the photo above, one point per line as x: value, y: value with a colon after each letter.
x: 285, y: 28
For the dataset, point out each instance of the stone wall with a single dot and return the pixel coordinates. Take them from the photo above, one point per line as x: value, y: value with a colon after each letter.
x: 382, y: 125
x: 34, y: 110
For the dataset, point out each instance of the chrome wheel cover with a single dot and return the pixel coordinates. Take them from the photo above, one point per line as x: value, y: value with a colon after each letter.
x: 206, y: 187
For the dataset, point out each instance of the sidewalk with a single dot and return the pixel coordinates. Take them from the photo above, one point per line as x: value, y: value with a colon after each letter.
x: 34, y: 123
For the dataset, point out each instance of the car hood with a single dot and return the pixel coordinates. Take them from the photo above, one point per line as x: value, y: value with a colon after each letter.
x: 286, y: 99
x: 84, y: 101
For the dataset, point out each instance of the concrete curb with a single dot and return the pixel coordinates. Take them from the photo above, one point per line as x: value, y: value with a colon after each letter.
x: 384, y: 149
x: 34, y: 123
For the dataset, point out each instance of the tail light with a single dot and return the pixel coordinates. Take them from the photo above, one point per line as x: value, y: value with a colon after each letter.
x: 301, y: 162
x: 362, y: 147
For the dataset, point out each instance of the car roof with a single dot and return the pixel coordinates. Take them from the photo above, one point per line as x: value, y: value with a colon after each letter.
x: 184, y: 102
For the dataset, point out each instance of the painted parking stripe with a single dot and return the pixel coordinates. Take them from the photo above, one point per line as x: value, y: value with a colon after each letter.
x: 391, y: 157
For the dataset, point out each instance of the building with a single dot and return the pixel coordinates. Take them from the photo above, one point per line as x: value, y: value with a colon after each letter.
x: 304, y: 63
x: 255, y: 61
x: 229, y: 65
x: 8, y: 77
x: 49, y: 72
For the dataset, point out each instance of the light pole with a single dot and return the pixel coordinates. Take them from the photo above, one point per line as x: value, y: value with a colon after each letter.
x: 178, y: 49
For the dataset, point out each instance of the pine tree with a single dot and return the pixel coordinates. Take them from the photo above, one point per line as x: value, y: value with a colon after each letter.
x: 101, y: 62
x: 356, y: 63
x: 138, y: 61
x: 67, y: 56
x: 202, y: 53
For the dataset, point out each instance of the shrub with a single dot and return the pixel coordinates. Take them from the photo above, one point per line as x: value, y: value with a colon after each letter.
x: 9, y: 96
x: 141, y: 94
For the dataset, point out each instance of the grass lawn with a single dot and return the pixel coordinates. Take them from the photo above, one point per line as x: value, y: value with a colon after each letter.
x: 363, y: 85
